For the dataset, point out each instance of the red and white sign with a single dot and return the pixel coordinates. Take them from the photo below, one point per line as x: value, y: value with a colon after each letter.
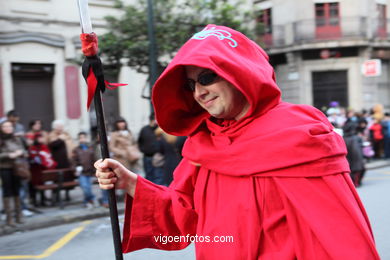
x: 372, y: 68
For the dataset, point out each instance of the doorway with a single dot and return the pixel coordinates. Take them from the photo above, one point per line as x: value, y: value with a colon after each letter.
x: 33, y: 92
x: 330, y: 86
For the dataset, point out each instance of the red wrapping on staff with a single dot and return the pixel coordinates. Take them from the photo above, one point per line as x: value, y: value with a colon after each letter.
x: 89, y: 44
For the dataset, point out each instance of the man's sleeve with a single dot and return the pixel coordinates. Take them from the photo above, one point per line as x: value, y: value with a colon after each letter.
x: 157, y: 212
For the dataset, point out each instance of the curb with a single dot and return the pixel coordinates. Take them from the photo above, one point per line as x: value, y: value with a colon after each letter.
x: 377, y: 166
x: 57, y: 220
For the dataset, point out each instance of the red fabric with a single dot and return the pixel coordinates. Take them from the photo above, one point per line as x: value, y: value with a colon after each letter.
x: 377, y: 131
x: 89, y: 44
x: 40, y: 154
x: 92, y: 84
x: 40, y: 159
x: 276, y: 180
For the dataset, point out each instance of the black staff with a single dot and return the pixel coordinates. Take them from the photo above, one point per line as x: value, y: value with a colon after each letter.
x: 93, y: 74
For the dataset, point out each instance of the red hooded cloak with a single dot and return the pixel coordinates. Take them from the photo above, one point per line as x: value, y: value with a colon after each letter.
x: 276, y: 180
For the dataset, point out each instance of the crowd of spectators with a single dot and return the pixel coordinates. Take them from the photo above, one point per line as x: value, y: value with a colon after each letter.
x: 366, y: 134
x: 154, y: 153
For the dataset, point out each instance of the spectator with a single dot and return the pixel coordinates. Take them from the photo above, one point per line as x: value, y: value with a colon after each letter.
x: 103, y: 200
x: 40, y: 159
x: 83, y: 159
x: 355, y: 152
x: 35, y: 127
x: 170, y: 150
x: 149, y: 145
x: 377, y: 137
x: 123, y: 146
x: 386, y: 134
x: 61, y: 146
x: 11, y: 147
x: 14, y: 118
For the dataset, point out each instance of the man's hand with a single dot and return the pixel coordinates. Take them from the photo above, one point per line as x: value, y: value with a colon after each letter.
x: 111, y: 173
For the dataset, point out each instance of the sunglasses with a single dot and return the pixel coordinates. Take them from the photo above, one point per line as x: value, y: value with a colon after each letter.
x: 204, y: 79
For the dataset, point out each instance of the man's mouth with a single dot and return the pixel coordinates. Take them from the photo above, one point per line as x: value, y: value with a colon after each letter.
x: 209, y: 102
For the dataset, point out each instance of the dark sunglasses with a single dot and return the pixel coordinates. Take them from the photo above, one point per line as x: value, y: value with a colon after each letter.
x: 204, y: 79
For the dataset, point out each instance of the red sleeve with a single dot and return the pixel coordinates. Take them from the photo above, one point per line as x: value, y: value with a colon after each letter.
x: 159, y: 211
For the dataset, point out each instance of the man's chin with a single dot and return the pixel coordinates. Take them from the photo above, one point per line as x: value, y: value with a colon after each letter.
x: 217, y: 115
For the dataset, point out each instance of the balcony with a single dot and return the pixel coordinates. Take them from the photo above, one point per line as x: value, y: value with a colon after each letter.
x: 312, y: 31
x: 307, y: 31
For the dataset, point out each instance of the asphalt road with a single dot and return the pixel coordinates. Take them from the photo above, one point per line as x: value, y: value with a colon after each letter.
x: 92, y: 239
x: 375, y: 194
x: 88, y: 240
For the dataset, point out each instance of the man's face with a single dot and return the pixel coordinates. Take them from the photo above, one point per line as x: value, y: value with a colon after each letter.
x: 220, y: 98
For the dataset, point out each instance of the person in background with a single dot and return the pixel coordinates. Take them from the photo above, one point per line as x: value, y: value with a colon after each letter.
x: 170, y: 146
x: 61, y: 146
x: 124, y: 148
x: 13, y: 117
x: 11, y: 147
x: 40, y: 159
x: 35, y: 127
x: 123, y: 145
x: 377, y: 137
x: 149, y: 146
x: 354, y: 145
x: 336, y: 116
x: 19, y: 131
x: 103, y: 200
x: 83, y: 159
x: 386, y: 134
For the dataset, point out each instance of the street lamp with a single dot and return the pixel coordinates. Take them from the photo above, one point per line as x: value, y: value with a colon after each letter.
x: 152, y: 51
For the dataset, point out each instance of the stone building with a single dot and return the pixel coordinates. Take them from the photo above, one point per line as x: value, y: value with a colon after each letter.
x: 319, y: 50
x: 327, y: 51
x: 40, y: 75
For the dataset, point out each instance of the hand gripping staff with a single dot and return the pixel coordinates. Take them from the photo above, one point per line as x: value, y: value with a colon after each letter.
x: 93, y: 74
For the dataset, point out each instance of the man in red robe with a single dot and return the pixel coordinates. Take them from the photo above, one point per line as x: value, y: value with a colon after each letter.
x: 269, y: 174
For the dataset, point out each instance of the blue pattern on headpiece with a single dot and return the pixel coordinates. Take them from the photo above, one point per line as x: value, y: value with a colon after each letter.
x: 220, y: 34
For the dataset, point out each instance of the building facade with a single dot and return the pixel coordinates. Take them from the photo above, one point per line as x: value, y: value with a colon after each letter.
x: 322, y: 51
x: 325, y: 51
x: 40, y: 75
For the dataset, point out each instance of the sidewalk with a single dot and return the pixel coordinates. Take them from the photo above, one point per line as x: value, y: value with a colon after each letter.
x: 74, y: 210
x: 377, y: 163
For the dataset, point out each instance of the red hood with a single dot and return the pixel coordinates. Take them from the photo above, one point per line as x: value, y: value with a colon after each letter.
x: 233, y: 57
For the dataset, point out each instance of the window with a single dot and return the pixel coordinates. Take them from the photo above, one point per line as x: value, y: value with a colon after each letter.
x: 327, y: 19
x: 264, y: 22
x: 265, y: 18
x: 382, y: 20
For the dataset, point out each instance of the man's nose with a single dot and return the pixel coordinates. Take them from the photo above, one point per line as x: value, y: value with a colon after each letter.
x: 199, y: 90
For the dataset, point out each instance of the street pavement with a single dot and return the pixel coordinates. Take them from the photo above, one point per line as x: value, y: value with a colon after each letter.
x: 374, y: 193
x: 85, y: 240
